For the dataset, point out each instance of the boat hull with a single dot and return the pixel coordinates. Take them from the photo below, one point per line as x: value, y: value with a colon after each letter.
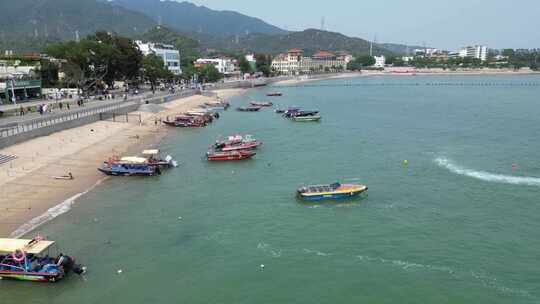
x: 334, y: 196
x: 111, y: 172
x: 307, y: 118
x: 31, y: 276
x: 229, y: 156
x: 337, y: 194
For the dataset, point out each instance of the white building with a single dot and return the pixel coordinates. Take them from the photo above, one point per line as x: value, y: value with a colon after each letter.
x: 225, y: 66
x: 380, y: 61
x: 478, y: 52
x: 295, y: 63
x: 170, y: 56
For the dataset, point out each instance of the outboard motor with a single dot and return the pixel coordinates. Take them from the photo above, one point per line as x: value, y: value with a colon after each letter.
x: 69, y: 264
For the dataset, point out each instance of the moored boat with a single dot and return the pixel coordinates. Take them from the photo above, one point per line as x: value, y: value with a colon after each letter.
x: 330, y: 191
x: 237, y: 142
x: 230, y: 155
x: 129, y: 166
x: 185, y: 121
x: 32, y: 260
x: 261, y: 103
x: 249, y: 109
x: 274, y: 94
x: 149, y: 165
x: 307, y: 118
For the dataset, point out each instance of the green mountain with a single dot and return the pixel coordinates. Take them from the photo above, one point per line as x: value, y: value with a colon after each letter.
x: 28, y: 25
x: 400, y: 49
x: 188, y: 17
x: 310, y: 41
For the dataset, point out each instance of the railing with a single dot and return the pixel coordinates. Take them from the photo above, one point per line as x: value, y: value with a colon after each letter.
x: 13, y: 129
x: 53, y: 119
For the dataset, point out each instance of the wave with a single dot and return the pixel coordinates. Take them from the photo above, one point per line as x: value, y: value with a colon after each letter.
x: 50, y: 214
x: 487, y: 176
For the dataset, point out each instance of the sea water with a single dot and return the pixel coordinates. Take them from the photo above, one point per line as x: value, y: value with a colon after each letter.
x: 452, y: 214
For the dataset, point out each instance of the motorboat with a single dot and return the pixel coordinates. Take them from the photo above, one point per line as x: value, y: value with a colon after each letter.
x: 237, y: 142
x: 334, y: 191
x: 308, y: 118
x: 34, y: 260
x: 261, y: 103
x: 249, y: 109
x: 148, y: 165
x: 230, y: 155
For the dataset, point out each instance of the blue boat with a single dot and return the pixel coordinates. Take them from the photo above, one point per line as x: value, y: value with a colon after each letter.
x: 334, y: 191
x: 130, y: 166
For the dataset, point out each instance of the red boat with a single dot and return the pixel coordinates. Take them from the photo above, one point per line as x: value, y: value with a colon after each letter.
x: 231, y: 155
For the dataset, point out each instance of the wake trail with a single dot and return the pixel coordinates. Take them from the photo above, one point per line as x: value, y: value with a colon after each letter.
x: 486, y: 176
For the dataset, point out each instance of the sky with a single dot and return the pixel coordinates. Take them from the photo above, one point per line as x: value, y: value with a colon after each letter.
x: 447, y: 24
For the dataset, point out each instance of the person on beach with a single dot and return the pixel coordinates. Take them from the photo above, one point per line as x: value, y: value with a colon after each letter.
x: 67, y: 105
x: 60, y: 105
x: 21, y: 111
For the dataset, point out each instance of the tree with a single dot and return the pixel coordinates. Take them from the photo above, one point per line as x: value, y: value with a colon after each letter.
x: 263, y: 62
x: 49, y: 74
x: 245, y: 67
x: 209, y: 73
x: 154, y: 69
x: 102, y: 56
x: 508, y: 52
x: 360, y: 62
x: 366, y: 60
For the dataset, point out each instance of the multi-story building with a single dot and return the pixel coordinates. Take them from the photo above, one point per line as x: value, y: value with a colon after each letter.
x: 170, y: 55
x: 380, y: 61
x: 478, y: 52
x: 19, y: 83
x: 225, y: 66
x: 295, y: 63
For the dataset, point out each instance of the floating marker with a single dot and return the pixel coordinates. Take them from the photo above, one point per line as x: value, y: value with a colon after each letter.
x: 405, y: 162
x: 119, y: 271
x: 262, y: 266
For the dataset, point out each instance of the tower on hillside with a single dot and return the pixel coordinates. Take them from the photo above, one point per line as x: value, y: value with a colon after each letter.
x: 323, y: 21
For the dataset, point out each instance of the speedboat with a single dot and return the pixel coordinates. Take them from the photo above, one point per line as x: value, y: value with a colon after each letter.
x: 334, y: 191
x: 237, y: 142
x: 230, y: 155
x: 32, y: 260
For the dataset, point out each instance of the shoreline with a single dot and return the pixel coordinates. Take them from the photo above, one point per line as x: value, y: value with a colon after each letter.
x: 31, y: 197
x: 425, y: 72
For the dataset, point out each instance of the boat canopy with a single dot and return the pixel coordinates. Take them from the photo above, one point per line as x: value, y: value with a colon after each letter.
x: 134, y: 160
x: 150, y: 152
x: 8, y: 246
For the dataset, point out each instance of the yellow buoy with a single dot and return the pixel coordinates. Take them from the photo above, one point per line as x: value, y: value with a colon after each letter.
x: 405, y: 162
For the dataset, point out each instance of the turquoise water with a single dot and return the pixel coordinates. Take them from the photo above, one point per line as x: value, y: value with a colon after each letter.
x: 459, y: 224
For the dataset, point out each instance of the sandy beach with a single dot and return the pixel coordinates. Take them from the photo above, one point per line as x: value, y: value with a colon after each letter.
x: 29, y: 194
x: 302, y: 79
